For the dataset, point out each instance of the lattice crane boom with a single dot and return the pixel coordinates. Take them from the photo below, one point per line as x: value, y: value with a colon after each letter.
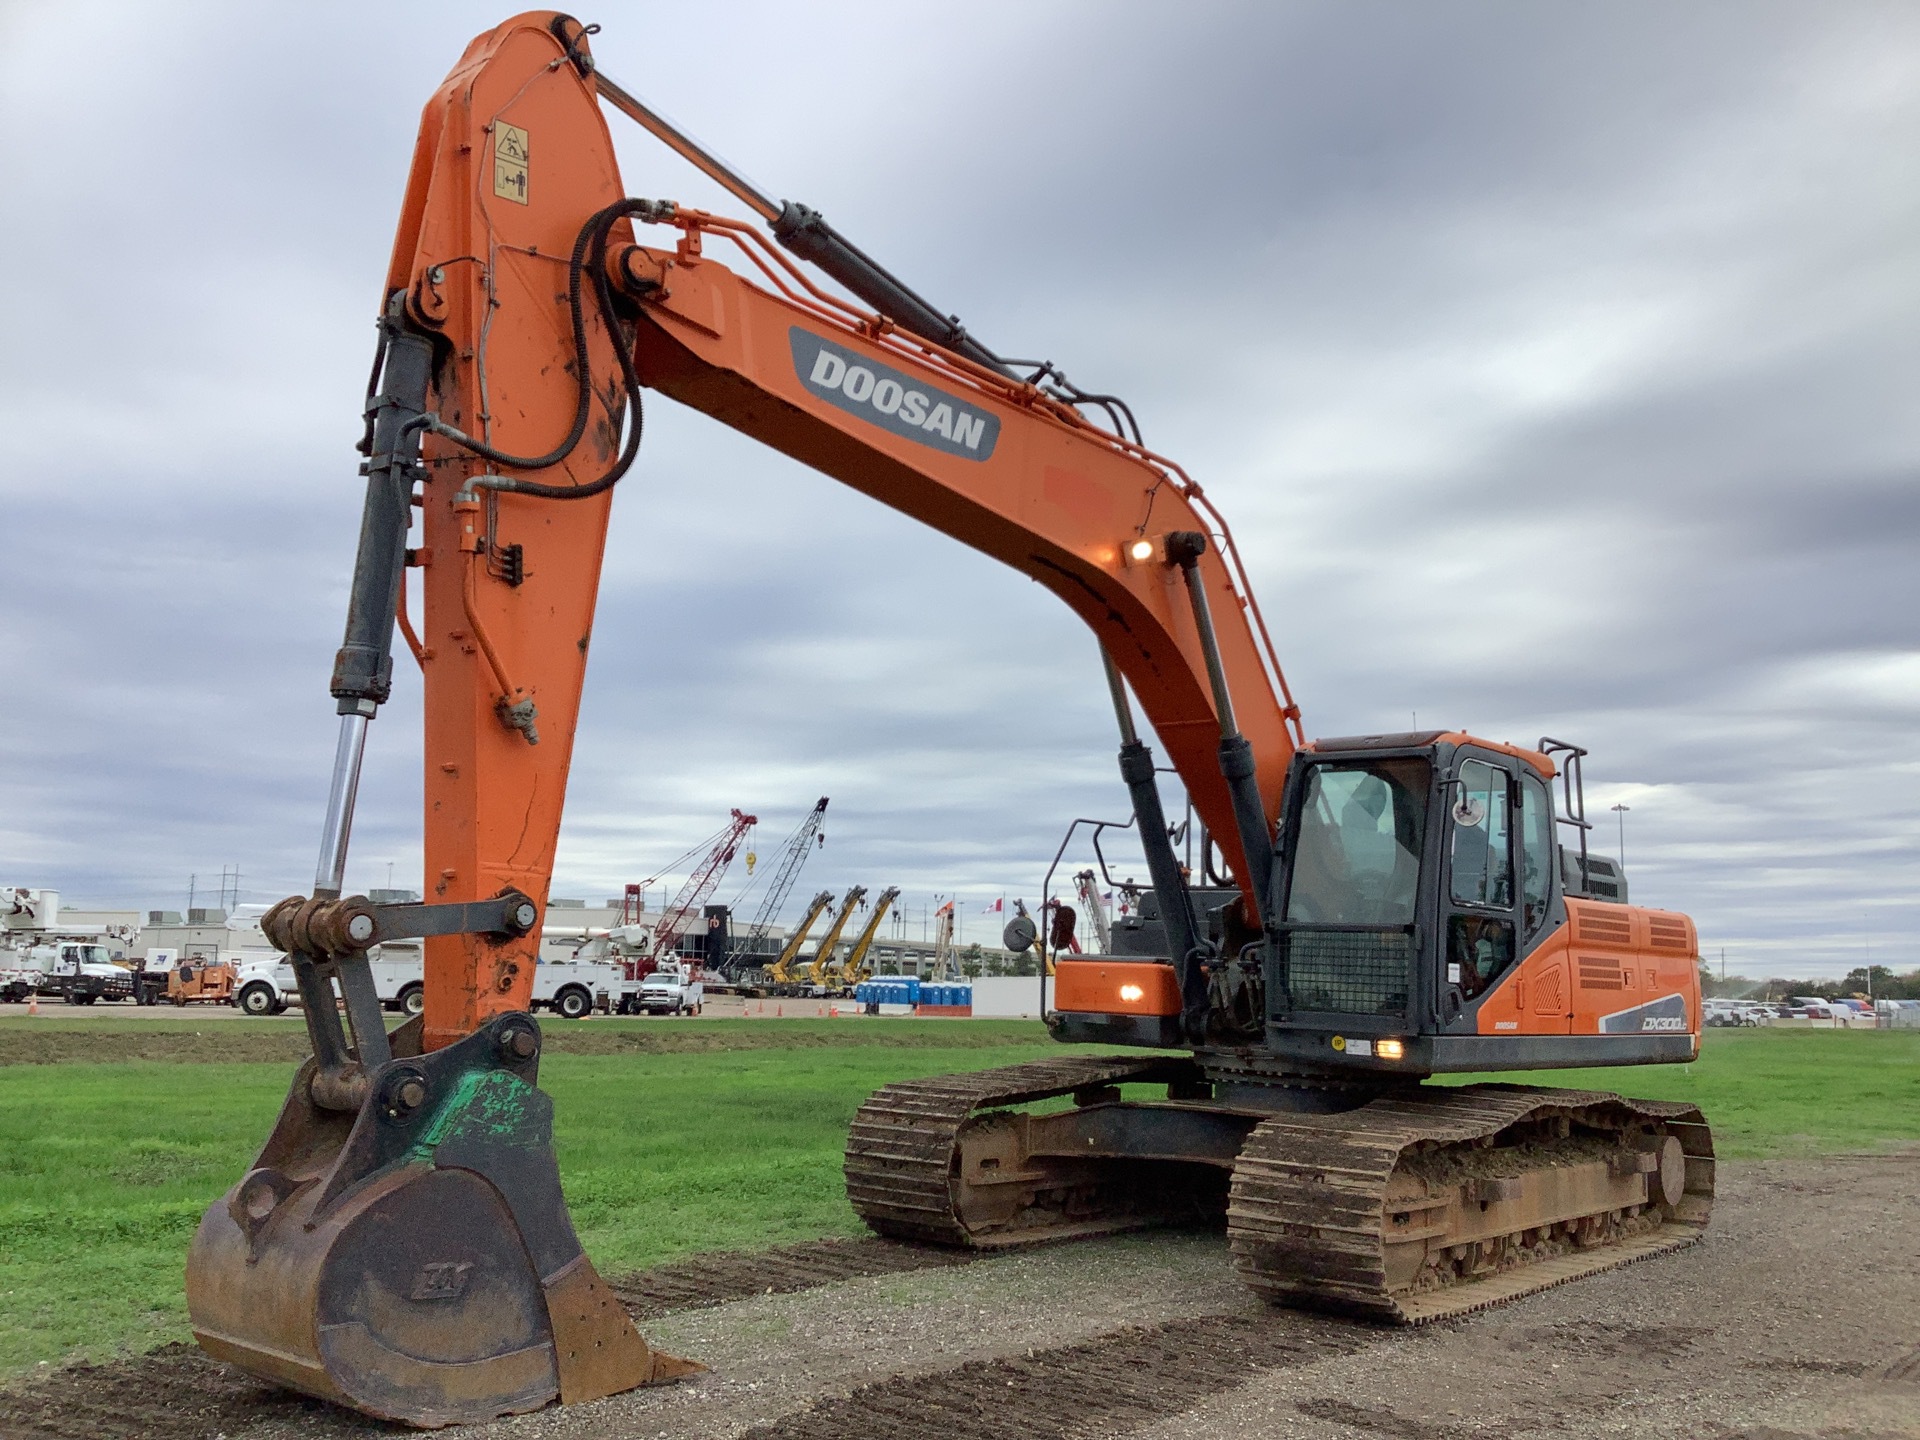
x: 705, y: 877
x: 799, y: 845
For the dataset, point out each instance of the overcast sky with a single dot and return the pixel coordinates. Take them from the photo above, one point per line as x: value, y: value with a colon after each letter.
x: 1556, y: 366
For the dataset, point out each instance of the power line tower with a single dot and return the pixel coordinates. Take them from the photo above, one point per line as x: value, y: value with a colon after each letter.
x: 799, y: 845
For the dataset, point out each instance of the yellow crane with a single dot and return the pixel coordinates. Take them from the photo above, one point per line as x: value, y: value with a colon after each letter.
x: 823, y: 956
x: 856, y: 968
x: 945, y: 964
x: 781, y: 971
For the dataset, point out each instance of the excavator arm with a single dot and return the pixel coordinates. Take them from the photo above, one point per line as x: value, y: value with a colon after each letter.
x: 401, y: 1243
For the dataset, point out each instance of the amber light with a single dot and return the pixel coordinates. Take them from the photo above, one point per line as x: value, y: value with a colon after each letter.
x: 1131, y: 993
x: 1141, y: 550
x: 1390, y: 1050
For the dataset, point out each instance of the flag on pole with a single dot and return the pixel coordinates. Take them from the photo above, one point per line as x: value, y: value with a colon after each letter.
x: 998, y: 907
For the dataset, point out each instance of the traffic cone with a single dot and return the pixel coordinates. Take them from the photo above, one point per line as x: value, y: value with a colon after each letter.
x: 33, y: 1002
x: 833, y: 1012
x: 779, y: 1011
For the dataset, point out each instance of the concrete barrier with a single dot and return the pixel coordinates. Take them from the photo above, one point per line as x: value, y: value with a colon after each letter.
x: 1009, y: 997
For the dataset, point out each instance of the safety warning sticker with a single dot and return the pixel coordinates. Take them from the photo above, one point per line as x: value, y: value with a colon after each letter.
x: 510, y: 162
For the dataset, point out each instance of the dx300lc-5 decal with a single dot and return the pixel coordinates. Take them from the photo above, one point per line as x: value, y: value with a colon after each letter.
x: 1668, y: 1013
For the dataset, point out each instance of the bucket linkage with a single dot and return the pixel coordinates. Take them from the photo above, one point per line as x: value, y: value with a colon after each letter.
x: 401, y: 1244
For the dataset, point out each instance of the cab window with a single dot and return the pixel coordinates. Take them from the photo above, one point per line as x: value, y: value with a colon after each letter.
x: 1479, y: 949
x: 1482, y: 863
x: 1357, y: 858
x: 1536, y: 850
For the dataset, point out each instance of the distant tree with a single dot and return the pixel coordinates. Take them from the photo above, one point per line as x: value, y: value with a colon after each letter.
x: 1881, y: 983
x: 972, y: 961
x: 1733, y: 987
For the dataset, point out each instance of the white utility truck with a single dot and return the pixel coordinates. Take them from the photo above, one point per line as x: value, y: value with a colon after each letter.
x: 570, y: 989
x: 78, y: 971
x: 673, y: 988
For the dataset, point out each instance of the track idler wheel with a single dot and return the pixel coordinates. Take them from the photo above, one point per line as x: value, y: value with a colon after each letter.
x: 414, y: 1259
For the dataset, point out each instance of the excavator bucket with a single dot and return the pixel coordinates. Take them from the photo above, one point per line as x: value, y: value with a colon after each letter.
x: 412, y: 1256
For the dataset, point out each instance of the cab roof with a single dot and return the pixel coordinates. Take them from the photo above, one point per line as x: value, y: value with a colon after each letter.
x: 1430, y: 739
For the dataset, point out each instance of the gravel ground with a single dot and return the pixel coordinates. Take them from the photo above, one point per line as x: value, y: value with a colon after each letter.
x: 1799, y: 1316
x: 1797, y: 1319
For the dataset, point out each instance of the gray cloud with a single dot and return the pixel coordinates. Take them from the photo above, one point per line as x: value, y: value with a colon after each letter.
x: 1554, y: 366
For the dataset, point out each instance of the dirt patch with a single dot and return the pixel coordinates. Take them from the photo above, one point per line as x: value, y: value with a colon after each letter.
x: 1906, y: 1368
x: 174, y: 1393
x: 669, y: 1037
x: 229, y: 1044
x: 1792, y: 1320
x: 715, y: 1279
x: 178, y: 1393
x: 1098, y: 1387
x: 286, y: 1041
x: 1377, y: 1420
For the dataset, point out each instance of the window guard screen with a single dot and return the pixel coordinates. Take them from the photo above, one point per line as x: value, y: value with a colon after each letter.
x: 1349, y: 971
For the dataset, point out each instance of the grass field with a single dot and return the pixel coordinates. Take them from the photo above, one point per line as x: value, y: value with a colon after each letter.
x: 672, y: 1138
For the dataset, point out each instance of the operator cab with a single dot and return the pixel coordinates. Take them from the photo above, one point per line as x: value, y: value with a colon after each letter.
x: 1416, y: 876
x: 1423, y: 918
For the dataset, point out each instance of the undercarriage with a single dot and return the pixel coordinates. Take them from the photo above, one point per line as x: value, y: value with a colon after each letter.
x: 1404, y: 1203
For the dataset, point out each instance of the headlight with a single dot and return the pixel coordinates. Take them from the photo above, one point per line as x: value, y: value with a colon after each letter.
x: 1390, y: 1050
x: 1141, y: 550
x: 1131, y: 993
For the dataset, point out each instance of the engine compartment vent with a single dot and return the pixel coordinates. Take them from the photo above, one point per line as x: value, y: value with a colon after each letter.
x: 1601, y: 975
x: 1669, y: 932
x: 1604, y: 929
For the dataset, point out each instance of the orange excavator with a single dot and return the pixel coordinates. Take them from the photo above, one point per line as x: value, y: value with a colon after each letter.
x: 1393, y: 906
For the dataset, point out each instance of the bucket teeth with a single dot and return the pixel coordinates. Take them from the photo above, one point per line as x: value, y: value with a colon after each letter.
x: 414, y: 1259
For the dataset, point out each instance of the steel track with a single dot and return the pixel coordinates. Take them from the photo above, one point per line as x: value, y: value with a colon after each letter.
x: 1309, y: 1211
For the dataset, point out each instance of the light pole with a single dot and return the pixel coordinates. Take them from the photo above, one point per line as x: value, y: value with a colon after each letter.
x: 1621, y: 811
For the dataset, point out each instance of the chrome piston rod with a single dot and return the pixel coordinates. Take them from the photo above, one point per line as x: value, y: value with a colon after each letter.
x: 348, y: 752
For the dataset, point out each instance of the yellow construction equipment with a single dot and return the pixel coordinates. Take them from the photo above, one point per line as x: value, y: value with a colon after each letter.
x: 856, y: 968
x: 780, y: 973
x: 823, y: 955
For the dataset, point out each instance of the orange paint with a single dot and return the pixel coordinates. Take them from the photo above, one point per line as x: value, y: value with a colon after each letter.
x: 1096, y: 987
x: 1605, y: 959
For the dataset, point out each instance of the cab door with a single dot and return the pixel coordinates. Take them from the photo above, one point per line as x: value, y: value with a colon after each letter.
x: 1542, y: 985
x: 1504, y: 968
x: 1481, y: 915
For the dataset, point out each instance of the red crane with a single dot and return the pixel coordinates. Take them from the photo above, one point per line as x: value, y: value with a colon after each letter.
x: 700, y: 883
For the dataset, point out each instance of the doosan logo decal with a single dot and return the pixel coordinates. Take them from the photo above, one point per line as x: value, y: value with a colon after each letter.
x: 895, y: 401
